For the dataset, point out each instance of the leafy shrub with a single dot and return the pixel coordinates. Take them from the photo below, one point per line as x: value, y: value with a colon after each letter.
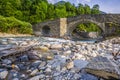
x: 88, y: 27
x: 13, y: 25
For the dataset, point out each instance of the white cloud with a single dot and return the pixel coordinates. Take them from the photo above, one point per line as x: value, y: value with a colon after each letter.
x: 81, y: 1
x: 88, y: 0
x: 51, y: 1
x: 74, y: 1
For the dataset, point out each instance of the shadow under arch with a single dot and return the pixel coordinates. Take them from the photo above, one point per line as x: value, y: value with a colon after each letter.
x: 46, y: 30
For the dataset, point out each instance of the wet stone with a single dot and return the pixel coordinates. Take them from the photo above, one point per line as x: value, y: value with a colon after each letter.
x: 23, y: 58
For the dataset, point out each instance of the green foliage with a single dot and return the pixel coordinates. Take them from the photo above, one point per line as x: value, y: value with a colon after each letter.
x: 95, y: 9
x: 60, y: 11
x: 87, y: 9
x: 88, y: 27
x: 80, y: 9
x: 35, y: 11
x: 12, y: 25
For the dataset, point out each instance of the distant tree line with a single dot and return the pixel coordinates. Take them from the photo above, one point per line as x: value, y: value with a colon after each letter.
x: 35, y: 11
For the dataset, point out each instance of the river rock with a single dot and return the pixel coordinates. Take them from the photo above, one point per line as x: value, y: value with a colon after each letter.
x: 23, y: 44
x: 7, y: 61
x: 47, y: 45
x: 35, y: 64
x: 34, y: 72
x: 67, y: 53
x: 38, y: 77
x: 56, y: 46
x: 80, y: 64
x: 4, y: 43
x: 78, y: 56
x: 42, y: 65
x: 23, y: 58
x: 86, y: 76
x: 22, y: 66
x: 69, y: 64
x: 48, y: 70
x: 42, y: 48
x: 103, y: 67
x: 11, y: 41
x: 46, y: 55
x: 33, y: 55
x: 3, y: 73
x: 13, y: 74
x: 77, y: 76
x: 55, y: 52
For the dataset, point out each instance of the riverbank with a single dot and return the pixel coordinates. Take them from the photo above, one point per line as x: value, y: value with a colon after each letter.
x: 14, y: 35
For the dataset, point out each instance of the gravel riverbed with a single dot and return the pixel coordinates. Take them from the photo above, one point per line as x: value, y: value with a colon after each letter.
x: 55, y: 59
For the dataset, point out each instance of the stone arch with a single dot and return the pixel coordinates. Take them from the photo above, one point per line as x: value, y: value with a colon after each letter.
x: 112, y: 28
x: 46, y: 30
x: 74, y: 24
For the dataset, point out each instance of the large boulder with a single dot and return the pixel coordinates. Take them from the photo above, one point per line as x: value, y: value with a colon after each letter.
x: 89, y: 34
x: 80, y: 63
x: 93, y: 34
x: 104, y: 68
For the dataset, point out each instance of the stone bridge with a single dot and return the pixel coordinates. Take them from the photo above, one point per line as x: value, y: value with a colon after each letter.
x: 65, y: 26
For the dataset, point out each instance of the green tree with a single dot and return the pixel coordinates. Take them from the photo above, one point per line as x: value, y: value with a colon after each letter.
x: 50, y: 12
x: 38, y: 12
x: 80, y: 9
x: 95, y: 9
x: 60, y: 11
x: 70, y: 9
x: 87, y: 9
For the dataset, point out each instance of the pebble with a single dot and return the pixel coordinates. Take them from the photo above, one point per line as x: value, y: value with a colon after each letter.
x: 69, y: 64
x: 56, y: 46
x: 3, y: 73
x: 7, y: 61
x: 38, y: 77
x: 42, y: 48
x: 34, y: 72
x: 23, y: 58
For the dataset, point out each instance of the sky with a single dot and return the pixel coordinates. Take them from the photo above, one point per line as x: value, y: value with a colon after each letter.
x: 108, y: 6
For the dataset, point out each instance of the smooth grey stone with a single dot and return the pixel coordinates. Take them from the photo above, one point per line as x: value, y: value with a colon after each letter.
x: 103, y: 67
x: 80, y: 64
x: 7, y: 61
x: 3, y: 73
x: 86, y: 76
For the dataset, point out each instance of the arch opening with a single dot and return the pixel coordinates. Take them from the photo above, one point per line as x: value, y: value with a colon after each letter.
x: 46, y: 31
x: 86, y: 30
